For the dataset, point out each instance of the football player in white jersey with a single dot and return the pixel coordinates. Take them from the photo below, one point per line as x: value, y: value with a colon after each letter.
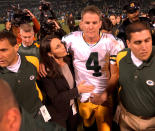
x: 94, y: 60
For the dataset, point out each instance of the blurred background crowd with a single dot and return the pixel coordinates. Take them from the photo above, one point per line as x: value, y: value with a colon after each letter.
x: 32, y: 20
x: 64, y: 7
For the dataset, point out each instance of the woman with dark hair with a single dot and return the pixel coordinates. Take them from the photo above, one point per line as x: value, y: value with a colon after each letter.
x: 106, y: 25
x: 59, y: 85
x: 107, y: 28
x: 118, y: 20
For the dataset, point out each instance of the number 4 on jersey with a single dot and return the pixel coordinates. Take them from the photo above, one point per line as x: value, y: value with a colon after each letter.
x: 93, y: 64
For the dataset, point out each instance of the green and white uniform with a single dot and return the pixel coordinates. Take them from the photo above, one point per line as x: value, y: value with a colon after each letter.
x: 90, y: 60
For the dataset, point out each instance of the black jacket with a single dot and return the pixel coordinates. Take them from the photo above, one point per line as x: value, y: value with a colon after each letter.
x: 58, y: 95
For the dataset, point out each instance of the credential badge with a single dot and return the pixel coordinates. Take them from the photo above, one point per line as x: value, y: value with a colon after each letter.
x: 150, y: 82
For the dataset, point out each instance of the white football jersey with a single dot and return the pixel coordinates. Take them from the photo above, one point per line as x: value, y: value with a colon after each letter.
x: 91, y: 61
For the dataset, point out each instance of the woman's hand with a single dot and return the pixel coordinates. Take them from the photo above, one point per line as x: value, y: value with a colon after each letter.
x: 83, y: 88
x: 42, y: 70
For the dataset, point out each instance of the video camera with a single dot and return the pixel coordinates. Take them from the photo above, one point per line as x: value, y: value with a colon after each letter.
x: 46, y: 17
x: 19, y: 16
x: 45, y: 5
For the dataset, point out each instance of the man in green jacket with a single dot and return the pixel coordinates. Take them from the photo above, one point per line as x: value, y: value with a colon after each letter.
x: 28, y: 46
x: 21, y: 76
x: 19, y: 73
x: 137, y: 80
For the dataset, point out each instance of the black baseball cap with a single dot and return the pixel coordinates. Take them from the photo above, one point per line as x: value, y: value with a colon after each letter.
x: 131, y: 7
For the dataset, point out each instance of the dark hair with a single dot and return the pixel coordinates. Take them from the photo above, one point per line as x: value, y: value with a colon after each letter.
x: 91, y: 9
x: 51, y: 66
x: 119, y: 17
x: 137, y: 27
x: 151, y: 12
x: 106, y: 24
x: 7, y: 22
x: 9, y: 36
x: 112, y: 15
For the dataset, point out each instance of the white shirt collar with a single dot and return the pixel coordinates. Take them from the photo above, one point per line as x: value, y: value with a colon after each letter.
x: 24, y: 45
x: 135, y: 60
x: 15, y: 67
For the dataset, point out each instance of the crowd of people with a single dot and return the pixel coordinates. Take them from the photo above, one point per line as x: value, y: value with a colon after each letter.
x: 98, y: 77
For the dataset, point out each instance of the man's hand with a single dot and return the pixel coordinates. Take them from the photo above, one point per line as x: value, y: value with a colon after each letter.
x: 29, y: 13
x: 99, y: 99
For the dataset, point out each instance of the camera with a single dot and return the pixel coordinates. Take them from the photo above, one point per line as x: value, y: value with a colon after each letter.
x: 46, y: 19
x: 45, y: 5
x: 20, y: 16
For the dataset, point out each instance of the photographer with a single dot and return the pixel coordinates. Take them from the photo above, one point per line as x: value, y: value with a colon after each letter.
x: 17, y: 21
x: 49, y: 24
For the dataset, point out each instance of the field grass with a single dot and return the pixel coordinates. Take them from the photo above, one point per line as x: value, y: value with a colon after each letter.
x: 1, y: 27
x: 64, y: 26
